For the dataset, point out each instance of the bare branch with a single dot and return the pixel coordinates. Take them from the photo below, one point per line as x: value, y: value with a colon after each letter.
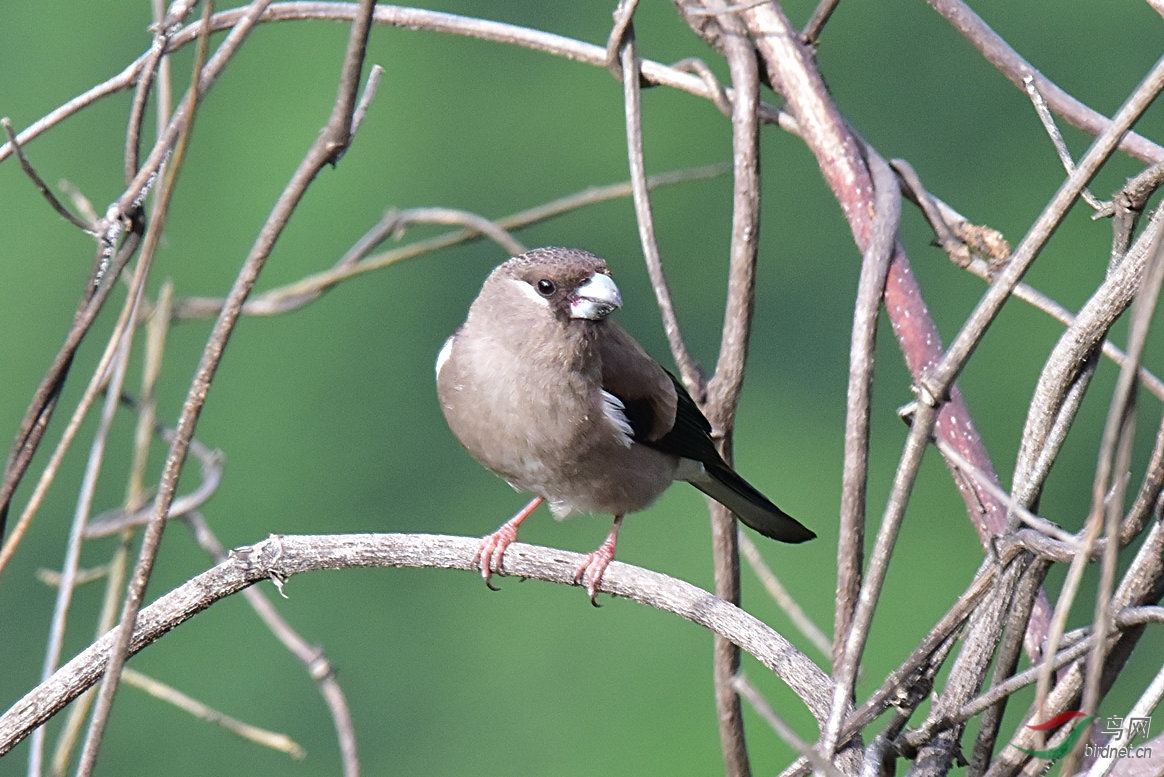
x: 870, y: 290
x: 1057, y: 141
x: 182, y: 701
x: 943, y: 374
x: 723, y: 390
x: 820, y: 17
x: 331, y: 142
x: 44, y: 402
x: 1008, y: 62
x: 781, y: 596
x: 974, y: 648
x: 41, y: 186
x: 630, y: 66
x: 83, y: 509
x: 819, y: 763
x: 286, y: 556
x: 120, y: 519
x: 318, y: 667
x: 356, y: 260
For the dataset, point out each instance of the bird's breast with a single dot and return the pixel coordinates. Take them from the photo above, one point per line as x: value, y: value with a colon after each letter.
x: 539, y: 423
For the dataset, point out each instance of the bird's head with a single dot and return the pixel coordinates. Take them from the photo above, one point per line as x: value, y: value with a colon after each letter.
x: 572, y: 284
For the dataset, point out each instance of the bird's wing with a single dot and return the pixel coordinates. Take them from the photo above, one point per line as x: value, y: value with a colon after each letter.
x: 658, y: 408
x: 663, y: 416
x: 645, y: 389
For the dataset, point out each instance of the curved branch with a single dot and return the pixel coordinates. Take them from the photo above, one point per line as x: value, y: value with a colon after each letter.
x: 862, y: 346
x: 1015, y: 68
x: 280, y: 557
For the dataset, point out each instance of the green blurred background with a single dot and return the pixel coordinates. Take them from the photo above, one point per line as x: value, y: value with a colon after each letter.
x: 328, y: 418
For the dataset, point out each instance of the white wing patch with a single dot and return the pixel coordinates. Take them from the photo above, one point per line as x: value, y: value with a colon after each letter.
x: 615, y: 412
x: 443, y: 356
x: 691, y: 471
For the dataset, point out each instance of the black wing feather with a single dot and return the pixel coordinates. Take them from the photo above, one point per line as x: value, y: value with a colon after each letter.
x: 690, y: 438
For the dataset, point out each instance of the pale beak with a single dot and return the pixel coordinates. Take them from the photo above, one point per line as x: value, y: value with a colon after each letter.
x: 596, y: 299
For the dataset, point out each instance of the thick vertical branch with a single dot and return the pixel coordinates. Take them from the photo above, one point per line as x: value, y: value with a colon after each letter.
x: 870, y: 289
x: 727, y: 381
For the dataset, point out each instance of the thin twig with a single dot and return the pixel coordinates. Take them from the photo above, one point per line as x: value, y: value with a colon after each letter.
x: 119, y: 519
x: 203, y: 711
x: 354, y: 262
x: 44, y: 403
x: 781, y: 596
x: 820, y: 764
x: 620, y: 34
x: 153, y: 61
x: 688, y: 370
x: 41, y: 186
x: 157, y: 327
x: 373, y: 81
x: 820, y: 17
x: 988, y: 482
x: 394, y: 223
x: 854, y: 479
x: 718, y: 94
x: 1057, y: 141
x: 726, y: 383
x: 1010, y: 64
x: 83, y: 510
x: 318, y: 667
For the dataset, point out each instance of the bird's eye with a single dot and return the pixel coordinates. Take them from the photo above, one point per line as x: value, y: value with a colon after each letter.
x: 546, y: 287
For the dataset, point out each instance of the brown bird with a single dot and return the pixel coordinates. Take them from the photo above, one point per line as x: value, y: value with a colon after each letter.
x: 546, y: 391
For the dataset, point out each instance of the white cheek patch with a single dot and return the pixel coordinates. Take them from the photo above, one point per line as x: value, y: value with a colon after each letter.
x: 615, y: 412
x: 529, y: 291
x: 443, y: 356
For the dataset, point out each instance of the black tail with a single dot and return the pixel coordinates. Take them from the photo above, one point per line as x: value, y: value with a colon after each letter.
x: 725, y: 486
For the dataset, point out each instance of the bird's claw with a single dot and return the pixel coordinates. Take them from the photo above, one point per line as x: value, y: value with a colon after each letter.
x: 491, y: 552
x: 590, y: 572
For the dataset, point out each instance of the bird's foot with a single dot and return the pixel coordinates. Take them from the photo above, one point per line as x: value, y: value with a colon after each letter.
x: 590, y: 571
x: 490, y: 553
x: 592, y: 568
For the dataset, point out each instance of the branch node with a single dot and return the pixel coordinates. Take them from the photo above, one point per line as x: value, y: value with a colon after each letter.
x: 621, y: 34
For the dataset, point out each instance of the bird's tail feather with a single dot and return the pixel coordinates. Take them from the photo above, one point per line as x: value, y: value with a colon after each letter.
x: 725, y: 486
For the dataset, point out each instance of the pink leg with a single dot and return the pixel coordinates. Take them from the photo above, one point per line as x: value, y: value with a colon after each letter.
x: 595, y: 564
x: 492, y: 548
